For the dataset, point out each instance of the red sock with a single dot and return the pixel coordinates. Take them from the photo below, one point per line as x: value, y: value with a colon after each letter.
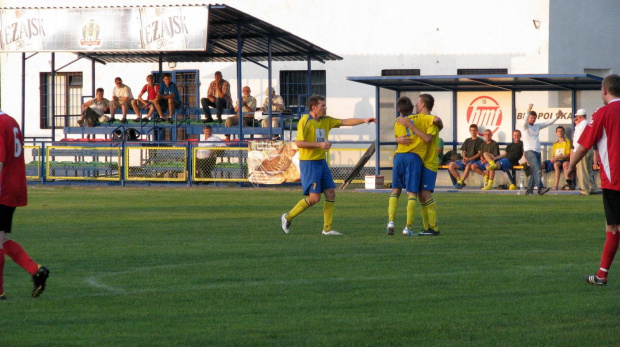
x: 1, y: 271
x: 17, y: 253
x: 609, y: 251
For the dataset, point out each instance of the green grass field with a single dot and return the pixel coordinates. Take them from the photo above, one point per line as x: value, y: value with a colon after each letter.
x: 199, y: 266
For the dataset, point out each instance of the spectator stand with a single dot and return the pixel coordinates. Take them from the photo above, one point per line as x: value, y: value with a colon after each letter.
x: 398, y: 85
x: 227, y: 35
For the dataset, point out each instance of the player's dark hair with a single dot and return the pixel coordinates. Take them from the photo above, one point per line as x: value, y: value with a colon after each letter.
x: 405, y: 106
x: 560, y: 127
x: 473, y: 126
x: 428, y: 100
x: 314, y: 101
x: 517, y: 131
x: 167, y: 75
x: 151, y: 77
x: 99, y: 90
x: 533, y: 113
x: 612, y: 84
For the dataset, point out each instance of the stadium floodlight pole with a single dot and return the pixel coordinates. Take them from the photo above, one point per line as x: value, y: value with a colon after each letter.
x: 454, y: 118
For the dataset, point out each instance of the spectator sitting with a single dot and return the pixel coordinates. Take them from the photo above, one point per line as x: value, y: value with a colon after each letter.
x: 218, y: 96
x: 471, y: 152
x: 505, y: 161
x: 167, y: 96
x: 205, y: 159
x: 94, y: 109
x: 440, y: 149
x: 277, y: 105
x: 150, y: 88
x: 121, y: 98
x: 561, y: 154
x: 489, y: 146
x: 249, y: 105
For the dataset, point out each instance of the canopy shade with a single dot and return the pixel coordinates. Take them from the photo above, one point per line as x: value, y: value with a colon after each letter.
x: 466, y: 83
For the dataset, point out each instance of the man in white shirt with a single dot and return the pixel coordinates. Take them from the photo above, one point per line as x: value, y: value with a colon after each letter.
x: 206, y: 158
x: 584, y: 168
x: 531, y: 147
x: 121, y: 98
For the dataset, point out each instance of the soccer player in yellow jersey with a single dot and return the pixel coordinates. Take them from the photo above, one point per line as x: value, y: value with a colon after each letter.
x: 430, y: 160
x: 316, y: 178
x: 411, y: 135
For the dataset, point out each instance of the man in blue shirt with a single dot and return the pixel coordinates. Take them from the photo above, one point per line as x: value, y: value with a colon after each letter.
x: 167, y: 96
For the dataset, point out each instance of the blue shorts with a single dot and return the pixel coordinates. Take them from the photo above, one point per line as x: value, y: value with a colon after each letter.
x: 460, y: 165
x: 479, y: 164
x: 428, y: 179
x: 504, y: 164
x: 407, y: 172
x: 548, y: 165
x: 316, y: 177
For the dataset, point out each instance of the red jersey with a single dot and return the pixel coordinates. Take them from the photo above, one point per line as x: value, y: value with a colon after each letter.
x: 152, y: 91
x: 13, y: 191
x: 604, y: 130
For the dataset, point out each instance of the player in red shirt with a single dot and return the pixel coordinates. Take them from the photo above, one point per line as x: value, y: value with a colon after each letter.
x: 604, y: 131
x: 13, y: 193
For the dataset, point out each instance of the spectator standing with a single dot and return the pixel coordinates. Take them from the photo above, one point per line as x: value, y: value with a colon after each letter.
x: 604, y: 132
x: 13, y: 194
x: 218, y: 96
x: 471, y: 152
x: 531, y: 146
x: 93, y: 110
x: 121, y: 98
x: 150, y: 89
x: 249, y: 106
x: 316, y: 178
x: 584, y: 178
x: 205, y: 159
x: 505, y: 161
x: 560, y: 159
x: 167, y: 96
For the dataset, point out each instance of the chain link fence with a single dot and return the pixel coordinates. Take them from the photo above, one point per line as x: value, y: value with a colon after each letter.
x: 343, y: 160
x: 83, y: 163
x: 207, y: 162
x: 222, y: 164
x: 152, y: 163
x: 32, y: 157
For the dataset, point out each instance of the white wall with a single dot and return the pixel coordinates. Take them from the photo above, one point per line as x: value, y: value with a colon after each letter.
x: 437, y: 37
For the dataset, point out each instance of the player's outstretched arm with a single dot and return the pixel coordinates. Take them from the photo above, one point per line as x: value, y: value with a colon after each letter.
x: 358, y: 121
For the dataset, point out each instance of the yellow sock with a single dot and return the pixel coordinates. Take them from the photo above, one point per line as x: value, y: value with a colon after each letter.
x: 328, y: 215
x: 392, y: 206
x: 424, y: 209
x: 301, y: 206
x: 411, y: 202
x: 431, y: 209
x: 490, y: 183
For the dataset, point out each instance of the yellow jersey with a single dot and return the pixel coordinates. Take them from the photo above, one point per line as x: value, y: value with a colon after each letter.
x: 311, y: 130
x: 417, y: 145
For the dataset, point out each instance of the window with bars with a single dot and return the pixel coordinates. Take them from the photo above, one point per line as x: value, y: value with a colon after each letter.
x: 400, y: 72
x: 187, y: 83
x: 482, y: 71
x: 295, y: 82
x: 67, y: 98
